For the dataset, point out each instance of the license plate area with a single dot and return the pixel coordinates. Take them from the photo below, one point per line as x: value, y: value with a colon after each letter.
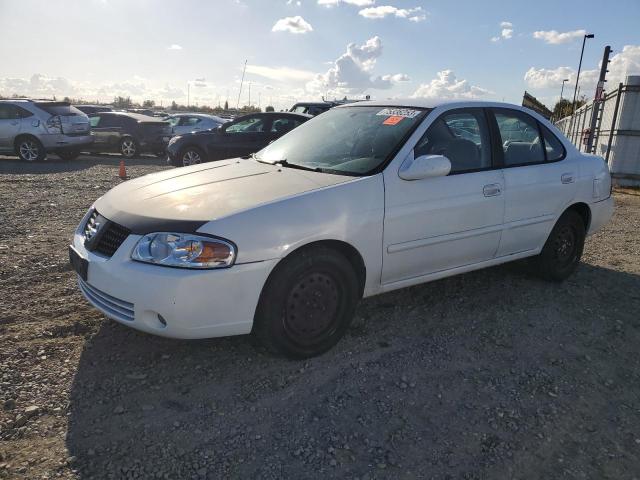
x: 79, y: 264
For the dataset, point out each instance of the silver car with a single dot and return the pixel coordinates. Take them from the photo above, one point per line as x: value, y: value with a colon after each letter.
x: 32, y: 128
x: 193, y: 122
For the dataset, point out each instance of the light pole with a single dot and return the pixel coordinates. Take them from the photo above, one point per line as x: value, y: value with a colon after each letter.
x: 575, y: 90
x: 561, y: 92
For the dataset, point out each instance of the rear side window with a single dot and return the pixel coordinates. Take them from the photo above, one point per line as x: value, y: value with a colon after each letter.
x: 59, y: 108
x: 520, y: 138
x: 9, y: 112
x: 460, y: 135
x: 283, y: 125
x: 189, y: 121
x: 554, y: 149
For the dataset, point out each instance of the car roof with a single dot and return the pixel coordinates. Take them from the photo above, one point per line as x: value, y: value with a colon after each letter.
x: 270, y: 114
x: 430, y: 103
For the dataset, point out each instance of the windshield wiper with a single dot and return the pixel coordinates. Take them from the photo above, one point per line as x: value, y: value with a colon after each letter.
x: 297, y: 166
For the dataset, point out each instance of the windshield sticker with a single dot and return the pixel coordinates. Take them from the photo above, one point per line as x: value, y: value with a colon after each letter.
x: 393, y: 120
x: 399, y: 112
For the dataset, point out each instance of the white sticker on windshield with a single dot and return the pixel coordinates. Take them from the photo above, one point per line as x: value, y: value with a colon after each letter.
x: 399, y: 112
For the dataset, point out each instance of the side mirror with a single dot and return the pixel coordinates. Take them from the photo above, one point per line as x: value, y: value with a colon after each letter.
x: 425, y: 166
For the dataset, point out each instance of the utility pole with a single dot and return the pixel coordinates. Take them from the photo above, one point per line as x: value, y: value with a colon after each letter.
x: 188, y: 93
x: 561, y: 92
x: 597, y: 100
x: 249, y: 94
x: 241, y: 82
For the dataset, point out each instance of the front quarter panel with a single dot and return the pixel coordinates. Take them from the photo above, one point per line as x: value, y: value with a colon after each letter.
x: 351, y: 212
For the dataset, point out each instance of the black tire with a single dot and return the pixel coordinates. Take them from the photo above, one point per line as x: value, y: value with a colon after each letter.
x: 562, y: 251
x: 128, y: 147
x: 68, y: 154
x: 307, y: 303
x: 30, y: 149
x: 190, y: 155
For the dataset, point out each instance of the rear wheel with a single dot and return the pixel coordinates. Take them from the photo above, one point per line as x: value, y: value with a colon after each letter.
x: 191, y: 156
x: 562, y: 251
x: 68, y: 154
x: 30, y: 149
x: 128, y: 147
x: 307, y: 304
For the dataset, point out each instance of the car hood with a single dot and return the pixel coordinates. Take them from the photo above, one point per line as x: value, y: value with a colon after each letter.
x: 183, y: 199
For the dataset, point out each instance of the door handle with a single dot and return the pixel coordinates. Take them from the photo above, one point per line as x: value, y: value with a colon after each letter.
x: 567, y: 178
x: 492, y: 190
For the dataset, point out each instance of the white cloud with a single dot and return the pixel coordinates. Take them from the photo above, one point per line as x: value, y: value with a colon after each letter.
x: 554, y: 37
x: 413, y: 14
x: 357, y: 3
x: 295, y: 24
x: 627, y: 62
x: 548, y: 78
x: 446, y: 85
x: 174, y: 46
x: 352, y: 71
x: 281, y: 74
x: 506, y: 33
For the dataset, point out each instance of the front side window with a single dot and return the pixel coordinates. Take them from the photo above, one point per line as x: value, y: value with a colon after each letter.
x: 520, y: 138
x: 173, y: 121
x: 353, y: 140
x: 94, y: 121
x: 460, y: 135
x: 189, y: 121
x: 250, y: 125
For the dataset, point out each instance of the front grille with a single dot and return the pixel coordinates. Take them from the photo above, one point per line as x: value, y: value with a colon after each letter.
x: 111, y: 306
x: 103, y: 236
x: 111, y: 239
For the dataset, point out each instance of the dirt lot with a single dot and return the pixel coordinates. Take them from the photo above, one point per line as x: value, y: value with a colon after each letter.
x: 491, y: 374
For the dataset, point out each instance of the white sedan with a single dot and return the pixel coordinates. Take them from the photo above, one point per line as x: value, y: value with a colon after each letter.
x: 363, y: 199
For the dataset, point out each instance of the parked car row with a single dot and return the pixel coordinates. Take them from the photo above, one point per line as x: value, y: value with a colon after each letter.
x: 32, y: 129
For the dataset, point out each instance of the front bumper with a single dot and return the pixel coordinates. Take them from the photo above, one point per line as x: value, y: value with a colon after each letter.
x: 173, y: 302
x: 60, y: 141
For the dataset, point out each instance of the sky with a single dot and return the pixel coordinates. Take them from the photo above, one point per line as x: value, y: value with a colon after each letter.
x: 306, y: 49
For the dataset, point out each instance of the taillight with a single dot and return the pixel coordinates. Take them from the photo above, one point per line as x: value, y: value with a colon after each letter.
x: 54, y: 124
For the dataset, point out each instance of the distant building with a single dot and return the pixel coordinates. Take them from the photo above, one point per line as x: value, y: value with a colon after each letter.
x: 536, y: 105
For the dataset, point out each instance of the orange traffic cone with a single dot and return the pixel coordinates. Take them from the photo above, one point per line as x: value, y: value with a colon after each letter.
x: 123, y: 171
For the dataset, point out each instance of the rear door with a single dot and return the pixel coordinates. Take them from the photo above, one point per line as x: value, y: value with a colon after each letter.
x: 245, y: 136
x: 9, y: 125
x: 107, y: 130
x: 539, y: 181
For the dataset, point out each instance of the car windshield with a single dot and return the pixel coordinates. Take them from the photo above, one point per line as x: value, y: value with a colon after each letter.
x: 348, y: 140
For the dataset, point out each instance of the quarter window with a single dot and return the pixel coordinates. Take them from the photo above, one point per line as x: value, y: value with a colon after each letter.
x: 520, y: 138
x: 460, y: 135
x: 554, y: 148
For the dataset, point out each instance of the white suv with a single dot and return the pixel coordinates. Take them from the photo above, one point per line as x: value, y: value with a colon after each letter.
x: 31, y: 128
x: 361, y: 200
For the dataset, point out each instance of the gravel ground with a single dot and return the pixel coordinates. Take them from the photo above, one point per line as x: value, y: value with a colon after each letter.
x: 492, y: 374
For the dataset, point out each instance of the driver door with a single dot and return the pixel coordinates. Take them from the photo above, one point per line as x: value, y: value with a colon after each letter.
x: 437, y: 224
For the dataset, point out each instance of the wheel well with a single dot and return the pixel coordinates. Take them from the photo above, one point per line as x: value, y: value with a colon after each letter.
x: 346, y: 249
x: 584, y: 211
x: 20, y: 137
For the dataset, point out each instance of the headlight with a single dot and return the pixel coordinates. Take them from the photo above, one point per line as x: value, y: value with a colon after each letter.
x: 174, y: 139
x: 184, y: 250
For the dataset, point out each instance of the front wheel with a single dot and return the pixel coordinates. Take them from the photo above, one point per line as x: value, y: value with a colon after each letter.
x: 128, y: 147
x: 307, y: 304
x: 30, y: 149
x: 562, y: 251
x: 191, y: 156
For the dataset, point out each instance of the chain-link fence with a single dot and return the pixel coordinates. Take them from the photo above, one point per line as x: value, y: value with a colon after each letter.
x: 616, y: 135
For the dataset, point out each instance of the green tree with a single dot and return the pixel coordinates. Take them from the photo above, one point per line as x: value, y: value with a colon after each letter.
x: 226, y: 105
x: 148, y: 104
x: 269, y: 109
x: 122, y: 102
